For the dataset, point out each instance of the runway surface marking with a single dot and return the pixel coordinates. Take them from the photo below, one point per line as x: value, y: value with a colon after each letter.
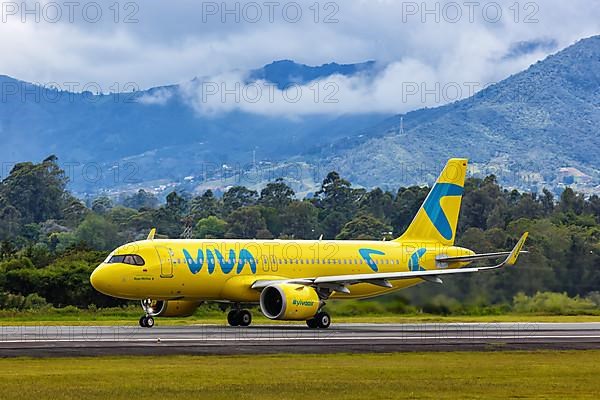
x: 40, y: 340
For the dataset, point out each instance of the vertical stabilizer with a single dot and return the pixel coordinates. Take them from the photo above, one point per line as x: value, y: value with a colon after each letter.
x: 437, y: 218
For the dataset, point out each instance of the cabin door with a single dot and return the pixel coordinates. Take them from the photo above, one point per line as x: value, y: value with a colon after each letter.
x: 166, y: 261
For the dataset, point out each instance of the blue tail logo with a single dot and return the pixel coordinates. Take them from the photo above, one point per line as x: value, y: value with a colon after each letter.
x: 433, y: 207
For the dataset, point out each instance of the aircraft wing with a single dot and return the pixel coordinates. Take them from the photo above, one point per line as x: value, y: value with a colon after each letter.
x: 339, y: 283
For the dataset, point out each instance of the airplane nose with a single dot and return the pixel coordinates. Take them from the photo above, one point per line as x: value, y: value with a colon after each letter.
x: 99, y: 279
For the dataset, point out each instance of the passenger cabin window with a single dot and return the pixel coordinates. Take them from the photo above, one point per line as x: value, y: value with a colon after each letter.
x: 130, y: 259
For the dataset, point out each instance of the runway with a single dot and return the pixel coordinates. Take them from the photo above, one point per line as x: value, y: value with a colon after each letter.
x: 41, y: 341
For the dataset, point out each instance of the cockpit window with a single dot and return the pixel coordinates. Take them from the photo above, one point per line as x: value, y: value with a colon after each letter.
x: 131, y: 259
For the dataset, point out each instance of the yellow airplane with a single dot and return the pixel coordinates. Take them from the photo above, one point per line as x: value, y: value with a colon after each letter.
x: 291, y: 280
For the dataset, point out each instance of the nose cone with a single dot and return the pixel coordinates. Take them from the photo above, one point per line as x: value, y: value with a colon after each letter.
x: 100, y: 279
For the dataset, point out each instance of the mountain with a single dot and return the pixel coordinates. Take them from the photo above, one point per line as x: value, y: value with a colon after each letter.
x: 157, y: 134
x: 286, y: 72
x: 538, y: 128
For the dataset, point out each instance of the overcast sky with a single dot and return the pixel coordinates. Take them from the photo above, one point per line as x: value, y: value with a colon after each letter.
x: 157, y: 42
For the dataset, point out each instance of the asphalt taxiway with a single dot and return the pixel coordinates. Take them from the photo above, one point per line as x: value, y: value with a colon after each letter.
x: 42, y: 340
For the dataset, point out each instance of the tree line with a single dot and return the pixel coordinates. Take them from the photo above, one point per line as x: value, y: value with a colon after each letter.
x: 50, y: 241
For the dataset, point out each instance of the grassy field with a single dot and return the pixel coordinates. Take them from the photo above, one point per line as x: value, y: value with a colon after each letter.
x: 85, y: 318
x: 502, y: 375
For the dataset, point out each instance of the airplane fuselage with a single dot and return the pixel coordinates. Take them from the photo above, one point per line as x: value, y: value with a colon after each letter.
x: 224, y: 270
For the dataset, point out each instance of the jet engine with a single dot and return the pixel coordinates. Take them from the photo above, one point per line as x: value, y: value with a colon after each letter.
x: 289, y: 302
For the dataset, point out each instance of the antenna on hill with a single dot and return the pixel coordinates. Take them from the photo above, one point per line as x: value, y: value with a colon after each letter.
x: 401, y: 132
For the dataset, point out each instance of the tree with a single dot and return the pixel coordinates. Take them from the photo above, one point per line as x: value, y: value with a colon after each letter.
x: 547, y: 201
x: 10, y: 222
x: 205, y: 206
x: 365, y: 227
x: 337, y: 202
x: 571, y: 202
x: 237, y: 197
x: 74, y: 213
x: 141, y: 199
x: 37, y: 191
x: 405, y: 207
x: 176, y: 203
x: 276, y: 195
x: 210, y: 228
x: 244, y: 223
x: 336, y: 194
x: 479, y: 200
x: 300, y: 220
x: 102, y: 205
x: 98, y: 233
x: 377, y: 203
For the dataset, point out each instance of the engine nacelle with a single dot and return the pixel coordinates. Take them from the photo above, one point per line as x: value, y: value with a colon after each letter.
x: 289, y: 302
x: 170, y: 308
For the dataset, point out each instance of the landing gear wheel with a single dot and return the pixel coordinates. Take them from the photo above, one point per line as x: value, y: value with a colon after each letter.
x: 323, y: 320
x: 146, y: 322
x: 312, y: 323
x: 232, y: 318
x: 244, y: 318
x: 149, y: 322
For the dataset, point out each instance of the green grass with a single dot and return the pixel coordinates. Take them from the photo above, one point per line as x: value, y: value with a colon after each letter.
x: 491, y: 375
x: 85, y: 318
x: 130, y: 316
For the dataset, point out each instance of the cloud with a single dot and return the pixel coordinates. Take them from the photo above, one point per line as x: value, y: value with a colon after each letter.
x: 154, y: 43
x: 156, y: 97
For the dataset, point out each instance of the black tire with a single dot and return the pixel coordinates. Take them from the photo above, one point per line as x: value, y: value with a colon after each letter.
x: 149, y: 322
x: 312, y: 323
x: 232, y: 318
x: 244, y: 318
x: 323, y: 320
x: 143, y: 321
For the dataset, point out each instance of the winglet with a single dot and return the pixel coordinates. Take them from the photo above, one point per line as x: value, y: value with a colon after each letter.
x: 151, y: 234
x: 514, y: 254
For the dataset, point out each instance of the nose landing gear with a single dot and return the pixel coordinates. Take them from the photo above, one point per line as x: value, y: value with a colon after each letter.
x: 146, y: 321
x: 151, y: 308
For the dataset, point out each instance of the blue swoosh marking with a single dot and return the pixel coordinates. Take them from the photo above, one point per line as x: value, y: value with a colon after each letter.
x: 415, y: 258
x: 433, y: 208
x: 366, y: 255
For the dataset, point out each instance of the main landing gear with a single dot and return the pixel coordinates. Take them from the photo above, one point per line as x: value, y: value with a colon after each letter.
x: 238, y: 317
x: 322, y: 321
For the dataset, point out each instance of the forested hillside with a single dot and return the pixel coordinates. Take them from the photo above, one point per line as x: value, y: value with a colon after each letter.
x: 51, y: 241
